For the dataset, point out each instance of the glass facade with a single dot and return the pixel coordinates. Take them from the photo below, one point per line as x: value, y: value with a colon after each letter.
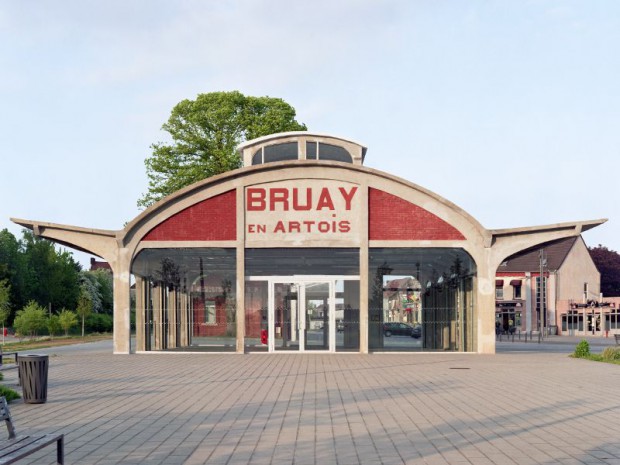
x: 186, y: 298
x: 420, y: 299
x: 305, y: 299
x: 301, y: 261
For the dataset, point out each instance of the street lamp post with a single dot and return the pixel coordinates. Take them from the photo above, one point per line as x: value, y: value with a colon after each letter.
x: 542, y: 320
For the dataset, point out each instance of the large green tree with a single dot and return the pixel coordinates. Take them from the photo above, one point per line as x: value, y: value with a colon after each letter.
x: 98, y: 284
x: 608, y: 264
x: 35, y: 269
x: 205, y: 133
x: 12, y: 269
x: 106, y: 290
x: 51, y: 276
x: 5, y: 303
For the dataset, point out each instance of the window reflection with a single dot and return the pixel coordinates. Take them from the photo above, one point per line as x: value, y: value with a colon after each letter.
x: 186, y: 298
x: 420, y: 299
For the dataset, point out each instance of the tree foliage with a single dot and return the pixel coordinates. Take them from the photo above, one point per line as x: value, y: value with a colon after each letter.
x: 90, y: 286
x: 35, y: 269
x: 5, y: 304
x: 84, y: 307
x: 205, y: 133
x: 35, y: 273
x: 51, y: 276
x: 100, y: 288
x: 12, y: 268
x: 608, y: 264
x: 106, y: 290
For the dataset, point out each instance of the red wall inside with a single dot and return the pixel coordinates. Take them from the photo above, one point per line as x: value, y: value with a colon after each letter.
x: 202, y: 329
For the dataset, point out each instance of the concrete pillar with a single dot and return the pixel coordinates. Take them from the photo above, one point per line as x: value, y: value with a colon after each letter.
x: 157, y: 317
x: 528, y: 302
x: 172, y: 317
x: 140, y: 314
x: 240, y: 272
x: 364, y: 273
x: 552, y: 319
x: 122, y: 302
x: 184, y: 330
x: 485, y: 305
x: 470, y: 327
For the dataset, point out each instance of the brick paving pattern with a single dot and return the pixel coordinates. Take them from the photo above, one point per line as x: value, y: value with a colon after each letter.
x: 509, y: 408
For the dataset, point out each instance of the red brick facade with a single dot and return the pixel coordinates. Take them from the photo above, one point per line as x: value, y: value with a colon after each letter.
x: 213, y: 219
x: 392, y: 218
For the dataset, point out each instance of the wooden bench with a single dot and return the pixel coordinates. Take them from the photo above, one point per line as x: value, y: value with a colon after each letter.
x: 18, y: 447
x: 617, y: 336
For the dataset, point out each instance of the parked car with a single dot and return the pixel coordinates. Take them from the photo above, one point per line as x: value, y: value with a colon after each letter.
x: 402, y: 329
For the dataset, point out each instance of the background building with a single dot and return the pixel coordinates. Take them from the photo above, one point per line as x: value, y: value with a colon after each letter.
x: 570, y: 279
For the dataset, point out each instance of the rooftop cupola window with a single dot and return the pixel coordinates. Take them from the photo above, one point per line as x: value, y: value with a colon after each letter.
x: 300, y: 145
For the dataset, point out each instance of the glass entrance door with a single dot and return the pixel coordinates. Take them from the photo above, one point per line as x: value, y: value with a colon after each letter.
x: 305, y: 313
x: 317, y: 312
x: 300, y: 316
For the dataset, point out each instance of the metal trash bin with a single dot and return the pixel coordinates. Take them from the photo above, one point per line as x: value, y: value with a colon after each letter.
x: 33, y: 374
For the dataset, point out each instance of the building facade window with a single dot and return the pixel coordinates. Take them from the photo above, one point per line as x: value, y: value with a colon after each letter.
x: 187, y: 297
x: 276, y: 152
x: 428, y: 289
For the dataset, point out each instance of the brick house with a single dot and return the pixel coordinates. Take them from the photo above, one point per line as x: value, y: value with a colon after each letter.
x: 570, y: 291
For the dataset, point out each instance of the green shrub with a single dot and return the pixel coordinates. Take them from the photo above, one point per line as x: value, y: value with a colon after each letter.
x: 53, y: 325
x: 9, y: 393
x: 67, y: 320
x: 611, y: 354
x: 582, y: 350
x: 99, y: 323
x: 30, y: 319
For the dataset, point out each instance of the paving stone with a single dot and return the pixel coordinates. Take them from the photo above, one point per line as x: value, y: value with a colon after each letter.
x: 522, y: 407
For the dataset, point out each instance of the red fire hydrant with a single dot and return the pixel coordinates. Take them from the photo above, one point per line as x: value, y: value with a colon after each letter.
x: 263, y: 336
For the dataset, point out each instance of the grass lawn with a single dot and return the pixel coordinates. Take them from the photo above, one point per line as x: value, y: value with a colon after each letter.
x: 44, y: 342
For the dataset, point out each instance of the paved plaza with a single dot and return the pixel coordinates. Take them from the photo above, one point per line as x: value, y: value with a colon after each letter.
x: 520, y: 406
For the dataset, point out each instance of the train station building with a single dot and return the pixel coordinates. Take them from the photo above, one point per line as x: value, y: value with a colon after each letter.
x: 304, y: 249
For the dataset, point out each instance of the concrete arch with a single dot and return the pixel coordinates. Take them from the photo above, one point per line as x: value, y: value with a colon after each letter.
x: 475, y: 234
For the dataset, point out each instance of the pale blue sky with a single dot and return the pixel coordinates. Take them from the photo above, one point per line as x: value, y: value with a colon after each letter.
x: 510, y: 109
